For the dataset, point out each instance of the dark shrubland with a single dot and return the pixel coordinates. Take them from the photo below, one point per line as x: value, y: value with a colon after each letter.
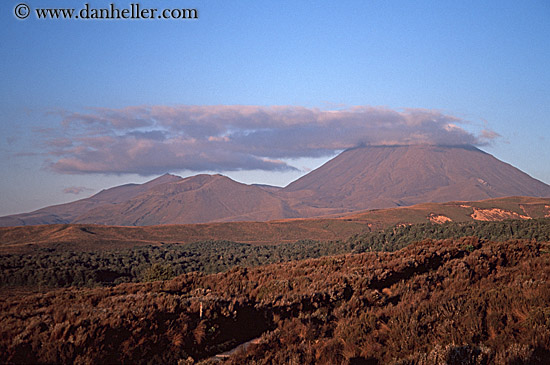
x: 50, y: 268
x: 462, y: 300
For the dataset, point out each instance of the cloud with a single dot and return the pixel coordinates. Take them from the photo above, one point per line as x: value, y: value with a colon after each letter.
x: 155, y: 139
x: 489, y: 135
x: 75, y: 190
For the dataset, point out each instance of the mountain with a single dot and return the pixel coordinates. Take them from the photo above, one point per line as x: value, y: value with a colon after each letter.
x: 390, y: 176
x: 196, y: 199
x: 167, y: 199
x: 66, y: 213
x: 361, y: 178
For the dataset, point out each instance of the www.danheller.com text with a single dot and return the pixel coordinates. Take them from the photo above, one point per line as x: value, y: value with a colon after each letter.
x: 133, y: 11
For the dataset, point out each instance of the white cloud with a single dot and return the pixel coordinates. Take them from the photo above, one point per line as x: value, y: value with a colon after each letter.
x: 156, y: 139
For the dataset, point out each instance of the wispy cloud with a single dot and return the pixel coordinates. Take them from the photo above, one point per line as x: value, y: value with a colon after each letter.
x: 76, y: 190
x: 156, y: 139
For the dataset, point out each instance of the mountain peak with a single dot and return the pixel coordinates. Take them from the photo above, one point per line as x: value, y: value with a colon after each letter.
x: 371, y: 177
x: 204, y: 178
x: 164, y: 179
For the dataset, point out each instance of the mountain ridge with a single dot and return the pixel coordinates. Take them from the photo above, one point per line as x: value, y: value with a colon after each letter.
x: 366, y: 177
x: 183, y: 202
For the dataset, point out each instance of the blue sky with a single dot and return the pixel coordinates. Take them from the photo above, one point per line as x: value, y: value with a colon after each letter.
x: 75, y: 90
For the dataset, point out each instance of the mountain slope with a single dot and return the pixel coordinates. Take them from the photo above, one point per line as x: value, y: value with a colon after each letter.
x: 196, y: 199
x: 66, y: 213
x: 389, y: 176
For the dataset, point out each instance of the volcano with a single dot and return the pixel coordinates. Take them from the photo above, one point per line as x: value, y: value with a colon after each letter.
x: 390, y: 176
x: 362, y: 178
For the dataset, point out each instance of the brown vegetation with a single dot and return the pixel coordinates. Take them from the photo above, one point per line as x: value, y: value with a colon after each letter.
x: 96, y: 237
x: 451, y: 301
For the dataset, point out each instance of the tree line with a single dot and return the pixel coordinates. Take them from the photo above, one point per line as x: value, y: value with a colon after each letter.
x: 47, y: 267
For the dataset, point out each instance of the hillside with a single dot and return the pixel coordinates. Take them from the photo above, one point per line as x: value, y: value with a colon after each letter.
x: 462, y: 211
x: 97, y: 237
x: 196, y: 199
x: 63, y: 265
x: 478, y: 296
x: 93, y: 237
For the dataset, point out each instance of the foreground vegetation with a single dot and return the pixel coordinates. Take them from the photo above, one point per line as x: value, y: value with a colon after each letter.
x: 48, y: 267
x: 456, y: 301
x: 456, y: 293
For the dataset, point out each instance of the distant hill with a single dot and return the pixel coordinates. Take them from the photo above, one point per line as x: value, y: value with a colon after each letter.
x: 358, y: 179
x: 97, y: 237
